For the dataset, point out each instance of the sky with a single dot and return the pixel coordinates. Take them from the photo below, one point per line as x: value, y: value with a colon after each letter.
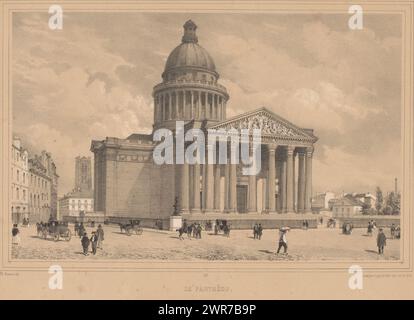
x: 94, y: 79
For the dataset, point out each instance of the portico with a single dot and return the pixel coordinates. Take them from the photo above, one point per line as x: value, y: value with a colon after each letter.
x: 222, y: 188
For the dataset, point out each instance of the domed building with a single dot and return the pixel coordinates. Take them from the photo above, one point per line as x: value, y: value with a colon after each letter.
x: 129, y: 184
x: 190, y: 88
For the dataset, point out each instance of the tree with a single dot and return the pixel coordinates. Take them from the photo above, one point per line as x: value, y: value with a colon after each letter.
x: 393, y: 203
x: 380, y: 200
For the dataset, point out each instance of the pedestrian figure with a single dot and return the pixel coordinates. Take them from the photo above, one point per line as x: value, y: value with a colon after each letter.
x: 381, y: 241
x: 369, y: 229
x: 85, y: 243
x: 259, y: 231
x: 255, y: 231
x: 16, y: 235
x: 198, y: 228
x: 282, y: 240
x: 94, y: 242
x: 100, y: 234
x: 392, y: 231
x: 190, y: 230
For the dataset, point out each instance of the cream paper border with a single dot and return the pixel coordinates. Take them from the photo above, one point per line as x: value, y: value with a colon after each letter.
x: 210, y: 280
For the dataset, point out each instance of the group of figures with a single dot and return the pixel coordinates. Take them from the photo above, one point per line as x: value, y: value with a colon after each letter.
x: 257, y: 231
x: 96, y: 240
x: 192, y: 230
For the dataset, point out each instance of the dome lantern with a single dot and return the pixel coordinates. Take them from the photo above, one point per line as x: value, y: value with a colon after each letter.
x: 189, y: 32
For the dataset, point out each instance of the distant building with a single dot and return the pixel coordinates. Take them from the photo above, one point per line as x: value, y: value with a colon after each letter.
x: 83, y: 173
x: 347, y: 207
x: 76, y: 203
x: 321, y: 200
x: 80, y: 201
x: 367, y: 198
x: 46, y: 159
x: 40, y: 191
x: 19, y: 182
x: 34, y: 185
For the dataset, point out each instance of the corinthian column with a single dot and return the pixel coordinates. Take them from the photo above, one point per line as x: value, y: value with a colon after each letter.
x: 217, y: 177
x: 227, y: 187
x: 271, y: 178
x: 308, y: 188
x: 185, y: 191
x: 301, y: 182
x: 209, y: 183
x: 196, y: 186
x: 289, y: 179
x: 233, y: 187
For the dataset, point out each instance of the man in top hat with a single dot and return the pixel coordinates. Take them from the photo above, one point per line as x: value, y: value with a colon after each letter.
x: 94, y: 242
x: 381, y: 241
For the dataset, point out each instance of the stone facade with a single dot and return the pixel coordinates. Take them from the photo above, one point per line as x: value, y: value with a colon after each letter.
x: 19, y: 182
x: 76, y: 203
x: 128, y: 183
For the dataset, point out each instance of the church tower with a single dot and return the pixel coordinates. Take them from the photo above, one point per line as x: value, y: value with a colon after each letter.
x: 189, y: 89
x: 83, y: 174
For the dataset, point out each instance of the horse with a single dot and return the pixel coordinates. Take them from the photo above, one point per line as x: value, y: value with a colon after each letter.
x: 181, y: 231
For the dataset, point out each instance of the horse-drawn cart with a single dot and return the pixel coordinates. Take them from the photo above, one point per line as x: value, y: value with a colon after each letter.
x: 54, y: 229
x: 134, y: 226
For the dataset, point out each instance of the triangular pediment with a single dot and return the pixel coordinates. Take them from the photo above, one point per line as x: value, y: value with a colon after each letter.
x: 270, y: 124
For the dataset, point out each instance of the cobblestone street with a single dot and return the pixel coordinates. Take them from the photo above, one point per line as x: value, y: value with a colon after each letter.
x: 312, y: 244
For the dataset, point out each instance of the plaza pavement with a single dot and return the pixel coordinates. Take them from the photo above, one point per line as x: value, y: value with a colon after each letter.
x: 312, y: 244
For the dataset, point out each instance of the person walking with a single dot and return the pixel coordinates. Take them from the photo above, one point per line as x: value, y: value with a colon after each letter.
x: 94, y: 242
x: 259, y: 231
x: 381, y: 241
x: 255, y: 231
x: 100, y: 234
x: 392, y: 231
x: 283, y: 240
x: 15, y: 235
x: 85, y: 243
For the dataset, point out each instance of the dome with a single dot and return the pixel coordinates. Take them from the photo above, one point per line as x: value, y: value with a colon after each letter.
x: 189, y: 53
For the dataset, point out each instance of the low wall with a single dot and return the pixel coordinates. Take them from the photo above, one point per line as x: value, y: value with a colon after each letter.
x: 362, y: 221
x: 247, y: 221
x: 237, y: 221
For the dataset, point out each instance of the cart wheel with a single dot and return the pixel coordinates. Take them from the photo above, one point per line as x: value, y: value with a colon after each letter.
x: 56, y: 237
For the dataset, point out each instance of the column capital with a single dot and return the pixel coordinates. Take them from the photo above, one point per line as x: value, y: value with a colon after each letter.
x: 309, y: 151
x: 272, y: 147
x: 290, y: 150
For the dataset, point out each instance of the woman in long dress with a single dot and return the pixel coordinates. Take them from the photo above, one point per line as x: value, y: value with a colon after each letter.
x: 16, y: 235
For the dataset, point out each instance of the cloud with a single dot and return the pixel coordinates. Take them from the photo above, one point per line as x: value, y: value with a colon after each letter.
x: 91, y: 80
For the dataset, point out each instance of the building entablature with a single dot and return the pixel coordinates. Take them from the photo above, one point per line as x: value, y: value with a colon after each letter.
x: 183, y: 85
